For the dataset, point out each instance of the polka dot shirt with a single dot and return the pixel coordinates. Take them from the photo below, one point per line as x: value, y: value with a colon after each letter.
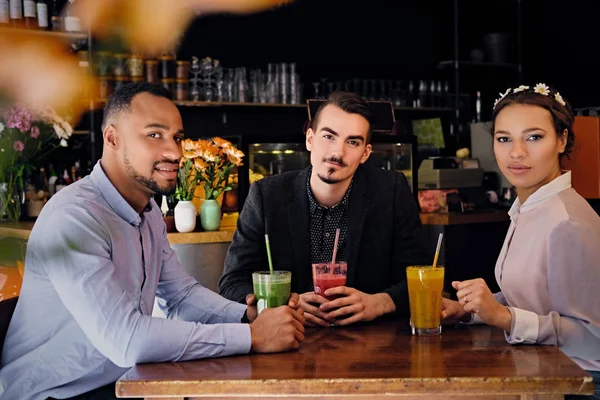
x: 323, y: 223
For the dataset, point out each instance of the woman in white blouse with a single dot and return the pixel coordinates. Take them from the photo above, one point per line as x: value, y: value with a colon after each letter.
x: 548, y: 270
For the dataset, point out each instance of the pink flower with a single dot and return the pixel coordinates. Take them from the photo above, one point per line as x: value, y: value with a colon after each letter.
x: 18, y: 118
x: 35, y: 132
x: 18, y: 146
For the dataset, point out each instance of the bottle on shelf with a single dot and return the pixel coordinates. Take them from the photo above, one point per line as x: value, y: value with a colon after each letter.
x: 446, y: 95
x: 88, y: 170
x: 66, y: 177
x: 410, y: 95
x: 41, y: 185
x: 61, y: 183
x: 42, y: 15
x: 440, y: 95
x: 71, y: 22
x: 30, y: 14
x: 478, y: 107
x: 29, y: 187
x: 56, y: 20
x: 432, y: 95
x: 52, y: 181
x: 16, y: 13
x: 78, y: 170
x: 4, y: 13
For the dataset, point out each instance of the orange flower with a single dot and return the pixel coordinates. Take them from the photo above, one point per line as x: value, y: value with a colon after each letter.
x: 191, y: 149
x: 234, y: 155
x: 200, y: 164
x: 208, y: 151
x: 222, y: 143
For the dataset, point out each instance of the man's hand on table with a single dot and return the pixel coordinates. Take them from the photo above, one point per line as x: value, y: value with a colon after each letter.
x: 355, y: 306
x: 251, y: 302
x: 277, y: 329
x: 310, y: 303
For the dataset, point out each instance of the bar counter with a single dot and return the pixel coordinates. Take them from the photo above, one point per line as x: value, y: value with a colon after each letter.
x: 22, y: 229
x: 202, y: 254
x: 379, y: 359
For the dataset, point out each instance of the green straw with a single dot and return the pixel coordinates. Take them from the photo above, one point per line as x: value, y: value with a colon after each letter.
x: 269, y: 253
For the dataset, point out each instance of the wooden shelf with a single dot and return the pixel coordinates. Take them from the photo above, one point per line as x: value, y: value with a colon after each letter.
x: 210, y: 104
x: 232, y: 104
x: 476, y: 64
x: 64, y: 35
x: 425, y: 109
x: 216, y: 104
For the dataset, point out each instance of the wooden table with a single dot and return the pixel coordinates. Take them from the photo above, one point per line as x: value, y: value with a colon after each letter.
x: 381, y: 359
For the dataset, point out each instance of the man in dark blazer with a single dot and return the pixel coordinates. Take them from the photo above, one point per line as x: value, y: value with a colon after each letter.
x: 301, y: 210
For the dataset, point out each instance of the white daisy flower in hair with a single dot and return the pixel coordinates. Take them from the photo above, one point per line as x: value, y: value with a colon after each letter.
x: 542, y: 88
x: 520, y: 89
x: 559, y: 98
x: 502, y: 95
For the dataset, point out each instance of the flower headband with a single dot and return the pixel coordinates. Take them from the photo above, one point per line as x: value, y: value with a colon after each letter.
x: 540, y: 88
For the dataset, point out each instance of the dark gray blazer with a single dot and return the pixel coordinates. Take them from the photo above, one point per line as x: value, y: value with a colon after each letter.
x: 384, y: 235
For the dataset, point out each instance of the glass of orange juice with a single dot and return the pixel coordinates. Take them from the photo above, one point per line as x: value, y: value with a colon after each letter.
x: 425, y: 285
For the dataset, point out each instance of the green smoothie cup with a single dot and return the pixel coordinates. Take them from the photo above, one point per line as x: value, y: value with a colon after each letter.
x: 271, y: 289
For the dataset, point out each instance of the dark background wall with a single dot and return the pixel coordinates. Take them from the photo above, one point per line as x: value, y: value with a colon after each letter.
x: 405, y: 39
x: 393, y: 39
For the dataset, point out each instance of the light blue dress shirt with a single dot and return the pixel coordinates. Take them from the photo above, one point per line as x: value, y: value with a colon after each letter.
x: 93, y: 268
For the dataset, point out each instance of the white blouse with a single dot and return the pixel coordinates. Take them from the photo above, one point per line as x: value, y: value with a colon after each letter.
x: 548, y: 272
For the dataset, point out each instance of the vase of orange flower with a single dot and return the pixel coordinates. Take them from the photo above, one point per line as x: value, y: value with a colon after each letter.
x: 185, y: 211
x: 207, y: 162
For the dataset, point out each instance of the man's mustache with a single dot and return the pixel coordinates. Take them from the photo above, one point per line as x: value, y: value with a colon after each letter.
x: 166, y: 161
x: 335, y: 160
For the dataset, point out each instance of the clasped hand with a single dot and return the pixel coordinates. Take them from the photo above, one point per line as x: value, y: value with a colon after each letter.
x: 348, y: 306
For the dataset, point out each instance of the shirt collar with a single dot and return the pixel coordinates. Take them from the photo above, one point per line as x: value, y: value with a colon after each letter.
x: 312, y: 202
x: 541, y: 195
x: 114, y: 199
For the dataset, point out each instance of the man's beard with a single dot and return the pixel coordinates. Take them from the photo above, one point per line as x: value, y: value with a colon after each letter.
x: 150, y: 183
x: 327, y: 179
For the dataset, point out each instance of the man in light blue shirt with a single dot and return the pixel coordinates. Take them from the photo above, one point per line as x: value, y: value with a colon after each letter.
x: 97, y: 257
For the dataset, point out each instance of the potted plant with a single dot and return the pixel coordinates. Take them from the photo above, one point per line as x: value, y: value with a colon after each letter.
x: 208, y: 162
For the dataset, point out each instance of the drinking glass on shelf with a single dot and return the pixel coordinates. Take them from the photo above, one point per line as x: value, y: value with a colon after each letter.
x: 284, y: 84
x: 317, y: 90
x: 241, y: 85
x: 229, y: 83
x: 255, y: 85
